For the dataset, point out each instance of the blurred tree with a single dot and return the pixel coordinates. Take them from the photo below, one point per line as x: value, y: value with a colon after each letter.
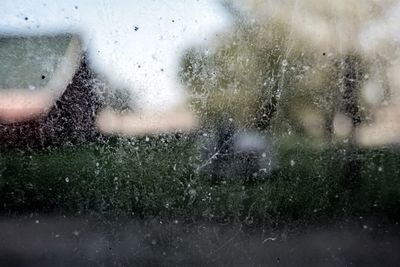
x: 290, y: 65
x: 289, y: 68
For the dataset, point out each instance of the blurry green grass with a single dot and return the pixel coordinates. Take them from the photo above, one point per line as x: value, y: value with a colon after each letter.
x: 159, y: 177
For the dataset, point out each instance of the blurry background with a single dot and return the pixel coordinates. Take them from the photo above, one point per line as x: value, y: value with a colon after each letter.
x: 277, y: 119
x: 317, y: 69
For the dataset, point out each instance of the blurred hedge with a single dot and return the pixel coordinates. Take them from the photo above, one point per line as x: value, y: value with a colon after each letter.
x: 159, y: 177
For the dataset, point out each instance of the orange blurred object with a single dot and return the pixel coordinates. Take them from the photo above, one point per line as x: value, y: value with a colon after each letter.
x: 18, y: 105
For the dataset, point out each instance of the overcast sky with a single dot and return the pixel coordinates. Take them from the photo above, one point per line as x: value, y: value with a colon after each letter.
x: 135, y: 44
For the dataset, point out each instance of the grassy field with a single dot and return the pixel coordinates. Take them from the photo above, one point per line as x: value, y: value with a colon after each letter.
x: 158, y: 176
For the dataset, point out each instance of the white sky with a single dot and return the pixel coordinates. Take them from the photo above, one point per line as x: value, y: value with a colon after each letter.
x: 115, y: 49
x: 386, y: 30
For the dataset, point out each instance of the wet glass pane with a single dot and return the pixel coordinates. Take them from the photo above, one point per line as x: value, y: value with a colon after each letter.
x: 199, y: 133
